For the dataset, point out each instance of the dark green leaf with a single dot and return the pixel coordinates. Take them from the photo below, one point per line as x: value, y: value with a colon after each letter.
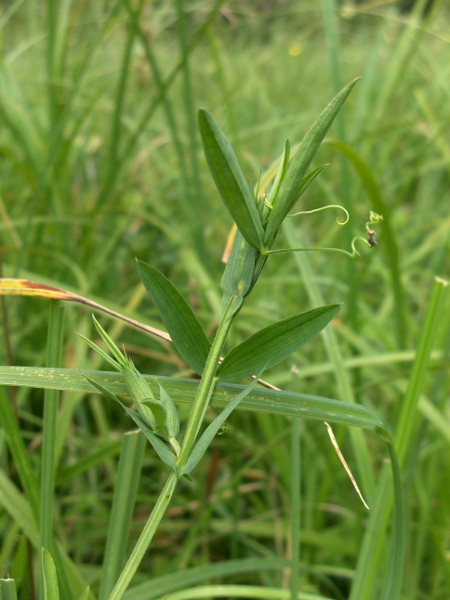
x: 274, y: 343
x: 230, y: 180
x: 185, y: 330
x: 289, y: 188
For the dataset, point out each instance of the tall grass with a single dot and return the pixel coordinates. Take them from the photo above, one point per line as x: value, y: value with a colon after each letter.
x: 102, y: 163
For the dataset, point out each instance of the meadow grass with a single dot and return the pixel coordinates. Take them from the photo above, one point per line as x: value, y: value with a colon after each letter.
x: 102, y: 163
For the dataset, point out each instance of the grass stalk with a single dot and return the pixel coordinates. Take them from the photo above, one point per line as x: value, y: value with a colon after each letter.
x: 49, y: 431
x: 52, y: 21
x: 51, y: 399
x: 109, y: 183
x: 373, y: 549
x: 331, y: 30
x: 166, y: 105
x: 122, y: 510
x: 296, y: 506
x: 19, y: 454
x: 194, y: 190
x: 114, y: 141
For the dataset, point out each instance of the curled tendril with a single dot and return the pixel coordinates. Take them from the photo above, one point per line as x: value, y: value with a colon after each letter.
x: 338, y: 220
x: 374, y: 219
x: 355, y: 254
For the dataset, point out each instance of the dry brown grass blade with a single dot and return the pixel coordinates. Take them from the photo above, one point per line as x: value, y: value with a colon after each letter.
x: 24, y: 287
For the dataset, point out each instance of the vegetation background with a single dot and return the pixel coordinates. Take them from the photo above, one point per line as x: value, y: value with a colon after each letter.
x: 102, y: 163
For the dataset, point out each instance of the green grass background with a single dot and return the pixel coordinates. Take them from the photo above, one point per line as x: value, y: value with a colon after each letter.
x: 101, y: 162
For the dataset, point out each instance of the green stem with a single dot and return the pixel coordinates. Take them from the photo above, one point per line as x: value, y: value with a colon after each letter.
x: 295, y: 499
x: 207, y: 383
x: 145, y: 538
x: 199, y: 407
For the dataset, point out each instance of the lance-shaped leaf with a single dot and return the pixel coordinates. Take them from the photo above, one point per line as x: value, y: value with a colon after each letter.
x: 282, y: 169
x: 274, y: 343
x: 292, y: 182
x: 159, y: 446
x: 230, y: 180
x: 185, y: 330
x: 172, y: 420
x: 212, y: 429
x: 239, y: 271
x: 50, y: 579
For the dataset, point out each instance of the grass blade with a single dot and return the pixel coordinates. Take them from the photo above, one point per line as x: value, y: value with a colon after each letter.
x: 184, y: 390
x: 19, y: 454
x: 51, y: 399
x: 165, y: 584
x: 49, y: 434
x: 372, y: 552
x: 8, y: 589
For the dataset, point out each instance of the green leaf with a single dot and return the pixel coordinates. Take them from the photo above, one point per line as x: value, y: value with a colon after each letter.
x: 212, y: 429
x: 274, y: 343
x: 100, y: 352
x: 282, y: 169
x: 230, y: 180
x: 159, y: 446
x: 51, y: 589
x: 185, y: 330
x: 273, y: 402
x: 291, y: 184
x: 142, y: 396
x: 172, y: 420
x: 238, y: 274
x: 117, y: 354
x: 308, y: 179
x: 158, y: 413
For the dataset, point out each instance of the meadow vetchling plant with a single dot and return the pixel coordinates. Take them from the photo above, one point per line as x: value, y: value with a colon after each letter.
x: 258, y: 223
